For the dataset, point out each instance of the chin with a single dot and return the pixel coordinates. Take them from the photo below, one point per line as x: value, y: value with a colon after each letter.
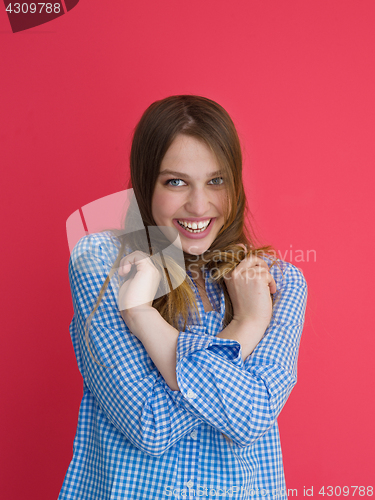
x: 195, y: 249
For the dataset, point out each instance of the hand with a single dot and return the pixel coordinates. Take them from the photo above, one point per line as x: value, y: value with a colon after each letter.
x: 138, y: 292
x: 250, y: 286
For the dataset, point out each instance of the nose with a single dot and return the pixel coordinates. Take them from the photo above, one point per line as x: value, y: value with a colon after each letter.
x: 198, y: 202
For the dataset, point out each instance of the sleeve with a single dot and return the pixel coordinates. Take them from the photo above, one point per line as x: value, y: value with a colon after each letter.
x: 128, y: 386
x: 243, y: 399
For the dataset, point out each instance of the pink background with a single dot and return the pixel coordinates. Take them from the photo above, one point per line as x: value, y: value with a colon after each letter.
x: 298, y: 78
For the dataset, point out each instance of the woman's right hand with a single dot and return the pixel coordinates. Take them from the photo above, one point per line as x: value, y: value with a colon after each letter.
x: 250, y: 286
x: 137, y: 293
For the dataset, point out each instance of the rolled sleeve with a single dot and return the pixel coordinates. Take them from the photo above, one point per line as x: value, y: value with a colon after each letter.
x: 189, y: 343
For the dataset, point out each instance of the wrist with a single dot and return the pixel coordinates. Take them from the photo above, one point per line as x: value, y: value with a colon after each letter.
x: 246, y: 323
x: 246, y: 332
x: 137, y: 319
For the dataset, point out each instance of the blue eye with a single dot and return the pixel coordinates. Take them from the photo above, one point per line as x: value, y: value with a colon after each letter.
x: 170, y: 181
x: 218, y: 183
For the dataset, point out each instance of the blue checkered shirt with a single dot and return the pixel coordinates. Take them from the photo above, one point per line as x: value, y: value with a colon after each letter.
x: 138, y: 439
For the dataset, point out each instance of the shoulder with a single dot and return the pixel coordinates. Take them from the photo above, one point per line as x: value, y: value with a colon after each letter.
x: 285, y: 273
x: 102, y: 246
x: 94, y: 253
x: 289, y: 301
x: 91, y: 265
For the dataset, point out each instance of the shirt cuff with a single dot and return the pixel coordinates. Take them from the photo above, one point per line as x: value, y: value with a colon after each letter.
x: 228, y: 349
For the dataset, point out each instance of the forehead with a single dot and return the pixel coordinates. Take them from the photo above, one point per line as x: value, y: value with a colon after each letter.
x: 189, y: 153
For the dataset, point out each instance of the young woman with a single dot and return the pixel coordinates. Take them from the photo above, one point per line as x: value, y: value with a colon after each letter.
x: 182, y: 390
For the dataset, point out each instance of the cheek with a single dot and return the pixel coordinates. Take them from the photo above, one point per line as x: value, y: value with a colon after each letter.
x: 163, y: 206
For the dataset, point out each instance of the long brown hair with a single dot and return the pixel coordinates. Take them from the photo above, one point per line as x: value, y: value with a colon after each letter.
x: 203, y: 119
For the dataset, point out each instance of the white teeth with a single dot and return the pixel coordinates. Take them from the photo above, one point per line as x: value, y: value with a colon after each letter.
x: 194, y: 227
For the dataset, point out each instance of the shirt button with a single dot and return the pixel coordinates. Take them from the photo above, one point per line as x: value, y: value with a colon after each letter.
x: 193, y: 434
x: 190, y: 394
x: 190, y: 483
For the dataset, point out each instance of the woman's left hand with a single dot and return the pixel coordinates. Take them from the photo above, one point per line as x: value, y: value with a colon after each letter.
x: 138, y: 292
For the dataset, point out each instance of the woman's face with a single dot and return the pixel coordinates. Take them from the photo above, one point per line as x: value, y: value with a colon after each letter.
x: 190, y: 194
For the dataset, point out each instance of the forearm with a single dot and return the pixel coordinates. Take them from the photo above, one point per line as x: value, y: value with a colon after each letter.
x: 245, y: 333
x: 159, y: 339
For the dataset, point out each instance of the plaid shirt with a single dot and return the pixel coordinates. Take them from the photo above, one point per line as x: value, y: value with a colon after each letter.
x: 138, y: 439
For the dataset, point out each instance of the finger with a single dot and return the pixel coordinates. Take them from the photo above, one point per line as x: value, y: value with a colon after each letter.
x: 263, y: 274
x: 246, y: 252
x: 243, y: 246
x: 124, y: 268
x: 260, y: 265
x: 252, y: 261
x: 256, y: 272
x: 269, y: 279
x: 132, y: 258
x: 272, y: 285
x: 141, y: 262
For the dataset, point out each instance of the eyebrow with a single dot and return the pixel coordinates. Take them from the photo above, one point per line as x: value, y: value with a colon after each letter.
x: 181, y: 174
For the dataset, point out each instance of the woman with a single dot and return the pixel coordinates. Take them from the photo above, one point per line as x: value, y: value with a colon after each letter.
x: 182, y: 390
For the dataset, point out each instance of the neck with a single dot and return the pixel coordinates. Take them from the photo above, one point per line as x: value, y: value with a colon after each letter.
x: 196, y: 272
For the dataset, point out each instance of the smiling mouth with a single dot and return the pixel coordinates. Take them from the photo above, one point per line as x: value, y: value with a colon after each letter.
x: 195, y: 227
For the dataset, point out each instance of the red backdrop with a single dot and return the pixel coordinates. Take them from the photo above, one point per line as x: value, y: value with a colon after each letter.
x: 298, y: 79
